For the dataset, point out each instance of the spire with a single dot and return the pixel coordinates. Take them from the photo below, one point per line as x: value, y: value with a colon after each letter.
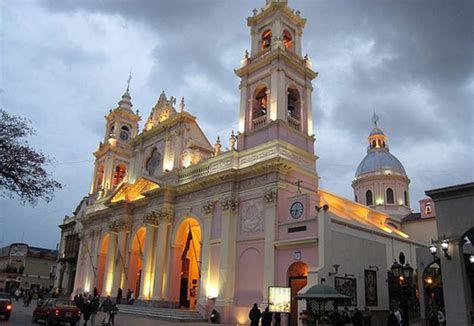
x: 375, y: 119
x: 125, y: 103
x: 128, y: 81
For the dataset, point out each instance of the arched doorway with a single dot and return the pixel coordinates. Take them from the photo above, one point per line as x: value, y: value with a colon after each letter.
x: 101, y: 257
x: 297, y: 279
x: 136, y: 260
x: 433, y: 288
x: 188, y: 237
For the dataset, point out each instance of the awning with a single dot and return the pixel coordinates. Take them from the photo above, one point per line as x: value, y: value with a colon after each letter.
x: 322, y: 292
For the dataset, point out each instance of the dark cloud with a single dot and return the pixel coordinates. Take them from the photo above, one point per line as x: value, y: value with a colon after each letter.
x: 410, y: 61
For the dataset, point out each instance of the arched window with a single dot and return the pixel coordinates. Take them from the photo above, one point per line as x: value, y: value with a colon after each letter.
x: 368, y: 198
x: 111, y: 130
x: 266, y: 39
x: 356, y: 199
x: 119, y: 175
x: 124, y: 133
x: 287, y: 40
x: 405, y: 195
x: 99, y: 177
x: 293, y: 102
x: 428, y: 209
x: 374, y: 144
x: 259, y: 109
x: 390, y: 197
x: 153, y: 162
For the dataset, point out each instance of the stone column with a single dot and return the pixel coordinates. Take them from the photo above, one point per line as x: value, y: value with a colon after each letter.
x: 161, y: 255
x: 270, y: 197
x: 146, y: 282
x: 93, y: 259
x: 110, y: 259
x: 244, y: 104
x: 227, y: 255
x: 119, y: 273
x: 204, y: 286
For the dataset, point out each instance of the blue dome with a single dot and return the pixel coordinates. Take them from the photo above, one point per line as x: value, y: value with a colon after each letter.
x: 378, y: 160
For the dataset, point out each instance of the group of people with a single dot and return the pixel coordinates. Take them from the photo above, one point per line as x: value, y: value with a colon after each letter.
x: 267, y: 317
x: 90, y: 307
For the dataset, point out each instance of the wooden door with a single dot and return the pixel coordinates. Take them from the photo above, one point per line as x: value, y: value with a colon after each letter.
x: 296, y: 284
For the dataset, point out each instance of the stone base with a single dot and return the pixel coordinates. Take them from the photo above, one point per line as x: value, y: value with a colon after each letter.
x: 157, y: 303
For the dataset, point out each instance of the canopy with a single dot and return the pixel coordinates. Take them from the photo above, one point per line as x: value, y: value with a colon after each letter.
x: 322, y: 292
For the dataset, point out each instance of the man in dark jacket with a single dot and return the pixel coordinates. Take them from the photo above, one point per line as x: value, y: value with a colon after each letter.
x: 86, y: 310
x: 267, y: 317
x: 255, y: 315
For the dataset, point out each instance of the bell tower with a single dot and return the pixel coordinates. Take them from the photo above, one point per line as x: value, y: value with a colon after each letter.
x: 113, y: 155
x: 275, y: 85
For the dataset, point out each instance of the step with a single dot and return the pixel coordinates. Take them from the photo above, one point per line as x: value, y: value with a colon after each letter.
x: 168, y: 314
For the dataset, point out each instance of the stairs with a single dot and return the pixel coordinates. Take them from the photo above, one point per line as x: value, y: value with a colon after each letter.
x: 168, y: 314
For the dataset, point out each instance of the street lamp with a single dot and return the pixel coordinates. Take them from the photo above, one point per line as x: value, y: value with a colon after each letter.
x: 445, y: 246
x: 403, y: 275
x: 471, y: 259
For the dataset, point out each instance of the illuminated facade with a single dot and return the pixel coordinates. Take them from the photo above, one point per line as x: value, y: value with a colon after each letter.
x: 184, y: 224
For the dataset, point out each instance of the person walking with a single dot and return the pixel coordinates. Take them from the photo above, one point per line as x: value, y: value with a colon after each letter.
x: 94, y: 309
x: 113, y: 313
x: 267, y: 317
x: 367, y: 317
x: 106, y: 307
x: 118, y: 300
x: 86, y: 310
x: 254, y: 315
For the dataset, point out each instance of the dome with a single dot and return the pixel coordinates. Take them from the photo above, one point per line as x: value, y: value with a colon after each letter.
x: 378, y: 160
x: 376, y: 131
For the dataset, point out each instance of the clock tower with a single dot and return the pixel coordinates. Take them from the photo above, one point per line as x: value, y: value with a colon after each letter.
x: 275, y: 87
x: 113, y: 155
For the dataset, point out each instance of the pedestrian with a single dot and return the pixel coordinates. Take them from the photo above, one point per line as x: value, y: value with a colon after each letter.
x: 17, y: 294
x: 118, y: 300
x: 129, y: 294
x: 392, y: 319
x: 441, y: 317
x: 254, y: 315
x: 113, y: 312
x: 267, y: 317
x: 86, y: 310
x: 346, y: 316
x: 94, y: 309
x: 367, y: 317
x: 214, y: 318
x: 106, y: 307
x: 357, y: 318
x: 96, y: 293
x: 132, y: 298
x: 277, y: 319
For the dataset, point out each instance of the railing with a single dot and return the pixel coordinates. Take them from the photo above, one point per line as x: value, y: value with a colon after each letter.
x: 293, y: 122
x: 193, y: 173
x: 259, y: 122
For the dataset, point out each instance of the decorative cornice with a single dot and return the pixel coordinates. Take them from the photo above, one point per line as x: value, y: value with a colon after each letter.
x: 208, y: 207
x: 119, y: 225
x: 271, y: 195
x: 157, y: 217
x: 229, y: 203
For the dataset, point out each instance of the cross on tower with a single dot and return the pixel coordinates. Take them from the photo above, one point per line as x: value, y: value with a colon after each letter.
x: 128, y: 80
x: 298, y: 184
x: 375, y: 118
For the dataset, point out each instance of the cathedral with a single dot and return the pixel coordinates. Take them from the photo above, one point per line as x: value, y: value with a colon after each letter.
x: 185, y: 224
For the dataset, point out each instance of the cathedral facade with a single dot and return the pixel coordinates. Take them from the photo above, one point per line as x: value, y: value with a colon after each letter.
x: 183, y: 223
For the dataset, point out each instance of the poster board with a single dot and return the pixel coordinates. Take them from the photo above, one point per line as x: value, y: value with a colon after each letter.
x: 279, y: 299
x: 347, y: 286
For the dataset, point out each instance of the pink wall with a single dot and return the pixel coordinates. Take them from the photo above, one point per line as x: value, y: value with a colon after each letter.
x: 249, y: 274
x: 285, y: 257
x: 216, y: 222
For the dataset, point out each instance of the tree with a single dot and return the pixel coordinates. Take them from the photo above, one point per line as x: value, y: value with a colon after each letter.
x: 22, y: 168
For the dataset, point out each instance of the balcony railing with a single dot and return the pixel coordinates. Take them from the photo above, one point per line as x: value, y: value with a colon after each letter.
x: 293, y: 122
x: 259, y: 122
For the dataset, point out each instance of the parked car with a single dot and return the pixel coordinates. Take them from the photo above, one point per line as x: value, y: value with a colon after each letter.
x: 56, y: 311
x: 6, y: 305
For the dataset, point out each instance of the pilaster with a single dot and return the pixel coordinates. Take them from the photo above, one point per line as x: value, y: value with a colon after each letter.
x: 161, y: 258
x: 205, y: 287
x: 227, y: 254
x: 110, y: 260
x: 123, y: 229
x: 146, y: 282
x: 270, y: 198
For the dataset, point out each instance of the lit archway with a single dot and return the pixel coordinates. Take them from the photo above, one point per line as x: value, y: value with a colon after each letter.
x: 187, y: 261
x: 136, y: 261
x: 101, y: 257
x: 433, y: 288
x: 297, y: 279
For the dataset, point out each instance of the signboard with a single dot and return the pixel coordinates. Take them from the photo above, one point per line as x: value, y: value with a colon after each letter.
x: 347, y: 286
x: 279, y: 299
x: 370, y: 278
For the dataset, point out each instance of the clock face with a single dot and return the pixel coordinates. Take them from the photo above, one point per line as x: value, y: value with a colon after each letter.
x: 296, y: 209
x: 124, y: 135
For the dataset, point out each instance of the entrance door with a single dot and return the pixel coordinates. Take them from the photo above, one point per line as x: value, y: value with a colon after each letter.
x: 183, y: 291
x: 296, y: 284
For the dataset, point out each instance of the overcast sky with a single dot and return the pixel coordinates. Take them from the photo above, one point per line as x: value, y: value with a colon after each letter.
x: 64, y: 64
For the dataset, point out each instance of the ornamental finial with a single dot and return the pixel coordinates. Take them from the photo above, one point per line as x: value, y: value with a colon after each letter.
x: 181, y: 105
x: 128, y: 80
x: 375, y: 119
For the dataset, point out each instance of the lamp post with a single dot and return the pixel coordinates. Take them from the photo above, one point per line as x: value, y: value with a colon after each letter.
x: 403, y: 275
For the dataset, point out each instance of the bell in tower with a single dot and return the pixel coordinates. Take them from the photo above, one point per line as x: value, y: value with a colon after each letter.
x: 276, y: 80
